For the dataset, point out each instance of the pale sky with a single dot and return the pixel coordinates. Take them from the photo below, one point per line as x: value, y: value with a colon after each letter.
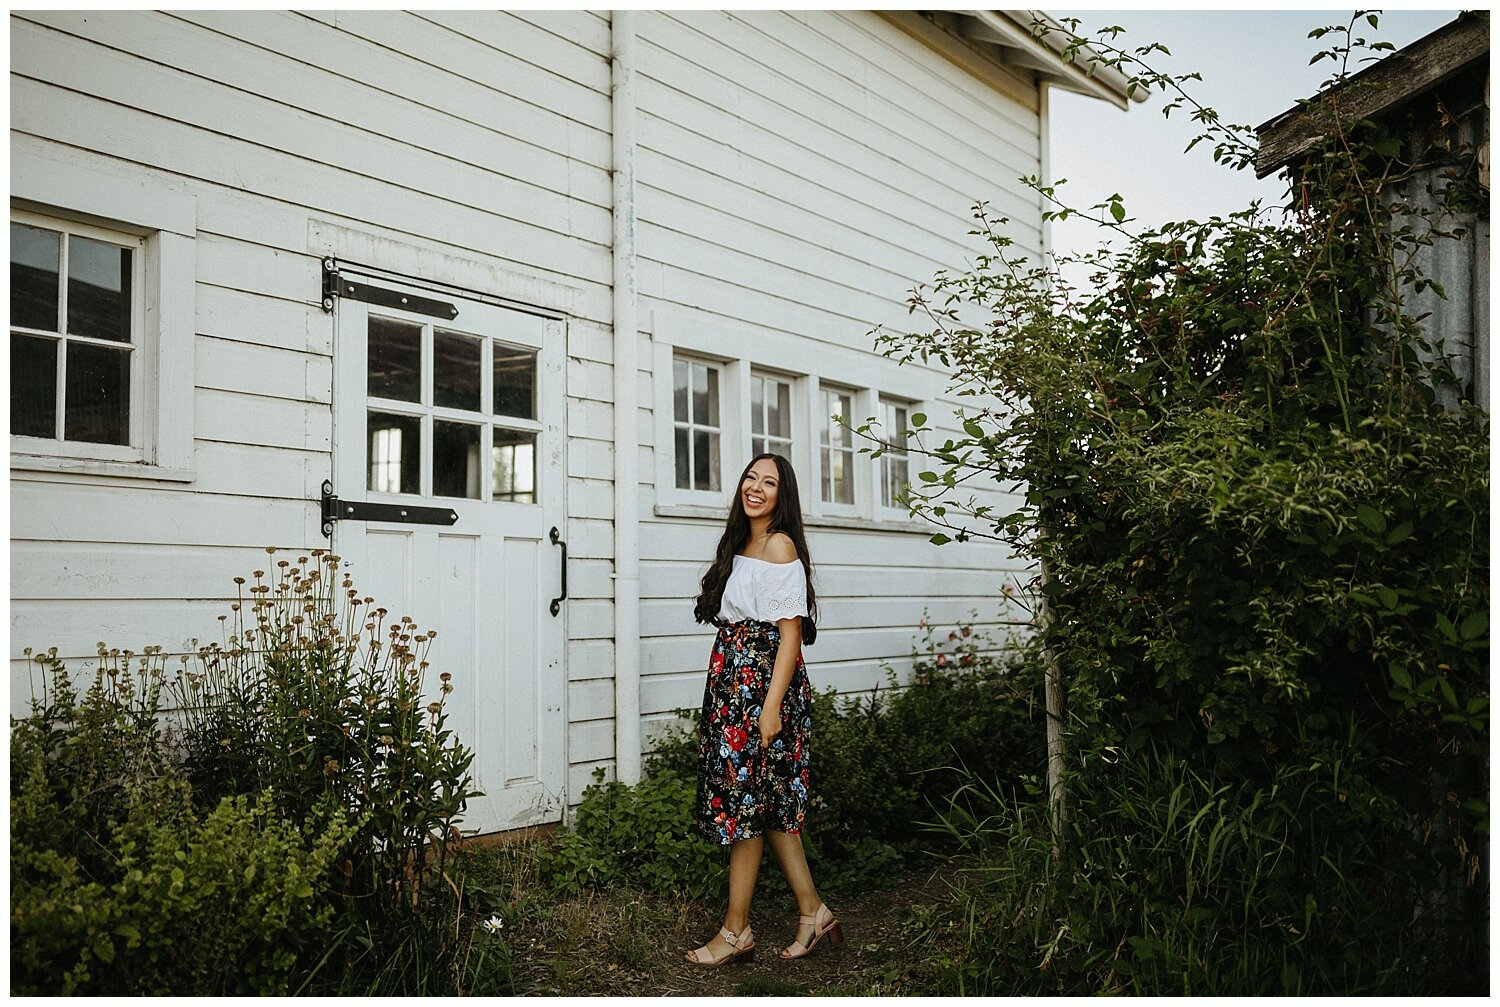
x: 1254, y: 66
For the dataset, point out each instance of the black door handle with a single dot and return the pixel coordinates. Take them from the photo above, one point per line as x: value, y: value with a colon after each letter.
x: 557, y: 541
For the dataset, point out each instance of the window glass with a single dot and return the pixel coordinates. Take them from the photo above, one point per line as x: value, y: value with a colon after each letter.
x: 770, y: 416
x: 515, y: 382
x: 86, y: 363
x: 395, y: 359
x: 394, y: 444
x: 695, y: 396
x: 98, y: 289
x: 33, y: 386
x: 705, y: 395
x: 680, y: 391
x: 895, y: 460
x: 456, y: 370
x: 455, y: 459
x: 513, y: 466
x: 34, y: 301
x: 837, y: 445
x: 96, y: 402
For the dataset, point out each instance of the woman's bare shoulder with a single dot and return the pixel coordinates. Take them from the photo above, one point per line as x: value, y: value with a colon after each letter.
x: 780, y: 548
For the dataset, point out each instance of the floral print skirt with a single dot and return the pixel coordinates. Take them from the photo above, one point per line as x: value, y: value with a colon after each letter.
x: 744, y: 791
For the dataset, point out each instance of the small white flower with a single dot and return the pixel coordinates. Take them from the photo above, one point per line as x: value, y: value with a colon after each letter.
x: 494, y: 924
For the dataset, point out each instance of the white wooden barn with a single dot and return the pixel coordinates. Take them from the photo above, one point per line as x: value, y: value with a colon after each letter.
x: 540, y: 271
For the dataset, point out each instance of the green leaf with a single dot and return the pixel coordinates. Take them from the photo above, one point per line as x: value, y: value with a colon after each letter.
x: 1388, y: 596
x: 1371, y: 518
x: 927, y: 477
x: 973, y: 429
x: 1400, y: 533
x: 1474, y: 626
x: 919, y: 419
x: 940, y: 539
x: 1401, y: 676
x: 1117, y: 211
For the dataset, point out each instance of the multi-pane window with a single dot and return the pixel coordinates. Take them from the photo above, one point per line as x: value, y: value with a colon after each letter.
x: 894, y: 460
x: 695, y: 424
x: 478, y: 395
x: 837, y: 446
x: 770, y: 416
x: 74, y: 331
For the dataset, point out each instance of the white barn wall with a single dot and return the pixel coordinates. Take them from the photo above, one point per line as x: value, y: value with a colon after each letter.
x: 420, y: 130
x: 798, y: 173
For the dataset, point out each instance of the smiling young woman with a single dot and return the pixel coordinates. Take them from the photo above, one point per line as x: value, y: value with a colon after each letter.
x: 753, y: 751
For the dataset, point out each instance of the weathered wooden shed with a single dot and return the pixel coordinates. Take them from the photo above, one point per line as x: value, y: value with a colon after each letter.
x: 545, y: 279
x: 1434, y: 95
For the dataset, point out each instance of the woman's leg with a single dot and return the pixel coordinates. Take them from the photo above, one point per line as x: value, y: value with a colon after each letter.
x: 744, y: 865
x: 788, y: 849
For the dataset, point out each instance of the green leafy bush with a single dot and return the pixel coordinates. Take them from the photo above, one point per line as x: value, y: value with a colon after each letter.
x: 643, y: 835
x: 885, y: 762
x: 119, y: 885
x: 1175, y: 879
x: 318, y: 697
x: 881, y: 764
x: 286, y: 802
x: 1259, y: 501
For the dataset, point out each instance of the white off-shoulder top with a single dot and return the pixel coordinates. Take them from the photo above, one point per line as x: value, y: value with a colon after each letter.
x: 764, y: 591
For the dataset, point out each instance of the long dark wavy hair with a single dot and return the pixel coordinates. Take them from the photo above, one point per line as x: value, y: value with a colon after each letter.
x: 786, y: 519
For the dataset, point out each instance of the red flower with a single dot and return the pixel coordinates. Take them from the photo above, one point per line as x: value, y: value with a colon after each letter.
x: 716, y: 802
x: 730, y: 826
x: 717, y: 664
x: 736, y: 737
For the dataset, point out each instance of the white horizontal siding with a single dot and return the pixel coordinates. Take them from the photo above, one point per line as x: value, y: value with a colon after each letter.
x: 799, y: 174
x: 477, y: 143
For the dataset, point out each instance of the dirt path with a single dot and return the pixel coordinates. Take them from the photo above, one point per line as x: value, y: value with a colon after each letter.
x: 632, y: 944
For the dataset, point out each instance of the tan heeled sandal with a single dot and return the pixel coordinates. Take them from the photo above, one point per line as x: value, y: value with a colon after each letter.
x: 743, y: 944
x: 822, y: 922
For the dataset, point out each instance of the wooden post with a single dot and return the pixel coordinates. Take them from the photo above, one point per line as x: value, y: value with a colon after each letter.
x: 1056, y: 701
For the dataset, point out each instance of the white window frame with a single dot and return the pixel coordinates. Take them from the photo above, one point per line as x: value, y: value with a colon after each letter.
x: 858, y: 462
x: 730, y: 429
x: 790, y: 441
x: 72, y: 191
x: 60, y: 338
x: 787, y: 356
x: 890, y: 511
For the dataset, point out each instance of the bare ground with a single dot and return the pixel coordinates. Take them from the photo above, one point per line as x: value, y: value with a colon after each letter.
x: 626, y: 942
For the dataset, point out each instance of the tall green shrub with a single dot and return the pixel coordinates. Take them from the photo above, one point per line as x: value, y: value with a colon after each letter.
x: 286, y: 801
x: 1262, y: 525
x: 321, y: 697
x: 120, y: 885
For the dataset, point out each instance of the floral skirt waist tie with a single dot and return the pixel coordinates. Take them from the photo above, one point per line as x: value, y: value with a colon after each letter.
x: 744, y: 791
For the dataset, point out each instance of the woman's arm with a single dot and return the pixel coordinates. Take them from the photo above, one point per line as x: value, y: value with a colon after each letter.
x: 781, y: 677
